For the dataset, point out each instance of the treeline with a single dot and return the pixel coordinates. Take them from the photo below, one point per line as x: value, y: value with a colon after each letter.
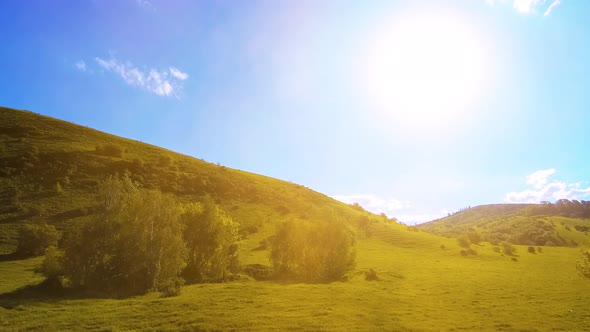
x: 563, y: 207
x: 143, y: 240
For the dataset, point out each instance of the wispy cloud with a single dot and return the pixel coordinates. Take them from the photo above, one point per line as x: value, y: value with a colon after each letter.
x: 80, y: 65
x: 145, y: 5
x: 528, y: 6
x: 543, y: 190
x: 160, y: 82
x: 373, y: 203
x: 551, y: 7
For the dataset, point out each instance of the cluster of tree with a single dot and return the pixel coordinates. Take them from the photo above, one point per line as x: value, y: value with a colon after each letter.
x: 142, y: 240
x: 563, y: 207
x: 313, y: 252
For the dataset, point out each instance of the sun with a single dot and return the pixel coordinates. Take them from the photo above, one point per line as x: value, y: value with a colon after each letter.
x: 424, y: 70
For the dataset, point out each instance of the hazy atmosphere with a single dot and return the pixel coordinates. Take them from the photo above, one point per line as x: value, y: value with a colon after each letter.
x: 412, y: 108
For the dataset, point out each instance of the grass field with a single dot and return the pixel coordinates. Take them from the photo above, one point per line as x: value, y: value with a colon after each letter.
x: 422, y: 288
x: 425, y: 283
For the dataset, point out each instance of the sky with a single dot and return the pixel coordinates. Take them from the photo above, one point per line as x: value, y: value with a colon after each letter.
x: 411, y: 108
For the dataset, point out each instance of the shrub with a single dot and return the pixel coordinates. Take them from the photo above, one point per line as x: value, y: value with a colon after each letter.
x: 443, y: 247
x: 507, y: 248
x: 34, y: 239
x: 539, y: 249
x: 371, y: 275
x: 583, y: 264
x: 213, y: 242
x: 52, y: 266
x: 463, y: 241
x: 474, y: 237
x: 531, y: 250
x: 133, y: 246
x: 313, y: 252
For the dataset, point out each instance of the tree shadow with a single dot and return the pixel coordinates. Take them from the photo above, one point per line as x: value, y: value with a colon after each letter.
x: 47, y: 291
x: 13, y: 256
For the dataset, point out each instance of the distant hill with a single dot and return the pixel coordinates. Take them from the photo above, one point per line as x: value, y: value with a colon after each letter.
x: 564, y: 223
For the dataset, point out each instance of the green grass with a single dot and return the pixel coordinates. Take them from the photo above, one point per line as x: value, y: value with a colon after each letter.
x: 422, y: 288
x: 425, y: 284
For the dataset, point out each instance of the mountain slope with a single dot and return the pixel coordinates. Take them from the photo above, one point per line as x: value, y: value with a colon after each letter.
x: 50, y: 169
x: 525, y: 224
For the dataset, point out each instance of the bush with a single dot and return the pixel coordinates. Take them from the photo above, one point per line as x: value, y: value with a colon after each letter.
x: 583, y: 264
x: 507, y: 248
x: 531, y: 250
x: 213, y: 242
x: 463, y: 241
x: 34, y: 239
x: 371, y: 275
x: 313, y: 252
x: 133, y: 246
x: 52, y: 266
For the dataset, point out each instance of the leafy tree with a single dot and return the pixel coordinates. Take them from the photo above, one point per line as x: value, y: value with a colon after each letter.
x: 313, y: 252
x: 583, y: 264
x: 213, y: 241
x: 134, y: 246
x: 35, y: 238
x: 52, y: 266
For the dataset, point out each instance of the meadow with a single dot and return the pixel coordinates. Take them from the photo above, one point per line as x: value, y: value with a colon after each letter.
x: 424, y: 283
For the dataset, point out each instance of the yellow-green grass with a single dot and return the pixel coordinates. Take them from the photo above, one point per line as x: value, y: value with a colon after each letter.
x: 422, y: 288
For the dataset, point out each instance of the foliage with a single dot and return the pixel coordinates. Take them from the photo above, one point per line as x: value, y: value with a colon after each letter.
x: 52, y: 265
x: 212, y: 239
x: 34, y: 239
x: 531, y: 250
x: 583, y: 263
x: 507, y: 248
x: 313, y: 252
x: 134, y: 246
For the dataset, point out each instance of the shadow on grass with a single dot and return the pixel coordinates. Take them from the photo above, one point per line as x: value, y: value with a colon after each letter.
x: 13, y: 256
x: 47, y: 291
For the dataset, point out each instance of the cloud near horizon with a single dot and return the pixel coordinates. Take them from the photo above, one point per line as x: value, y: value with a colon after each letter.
x: 543, y: 190
x: 393, y: 208
x: 162, y: 83
x: 529, y: 6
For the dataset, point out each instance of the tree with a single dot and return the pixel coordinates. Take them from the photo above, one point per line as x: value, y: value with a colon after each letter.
x: 35, y: 238
x: 313, y: 252
x: 213, y: 241
x: 52, y: 266
x: 135, y: 245
x: 583, y: 264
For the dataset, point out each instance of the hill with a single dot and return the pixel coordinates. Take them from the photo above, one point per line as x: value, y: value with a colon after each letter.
x: 50, y: 171
x: 565, y: 223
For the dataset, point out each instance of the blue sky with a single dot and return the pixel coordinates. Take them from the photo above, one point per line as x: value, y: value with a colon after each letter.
x: 412, y: 108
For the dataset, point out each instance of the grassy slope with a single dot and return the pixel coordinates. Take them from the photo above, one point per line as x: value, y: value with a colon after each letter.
x: 512, y: 221
x: 422, y: 287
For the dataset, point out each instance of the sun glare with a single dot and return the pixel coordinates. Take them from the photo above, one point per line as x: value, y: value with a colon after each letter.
x: 424, y: 70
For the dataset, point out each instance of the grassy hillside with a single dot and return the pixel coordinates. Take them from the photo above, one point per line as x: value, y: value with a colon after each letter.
x: 49, y: 171
x: 524, y: 224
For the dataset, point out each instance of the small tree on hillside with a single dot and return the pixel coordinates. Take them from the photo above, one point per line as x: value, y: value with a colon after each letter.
x: 213, y: 241
x: 135, y: 244
x: 313, y: 252
x: 35, y: 238
x: 583, y: 264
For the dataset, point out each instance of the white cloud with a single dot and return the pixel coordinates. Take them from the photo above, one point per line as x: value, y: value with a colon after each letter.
x: 178, y: 74
x: 80, y: 65
x: 539, y: 178
x: 402, y: 211
x: 543, y: 191
x: 528, y: 6
x: 551, y: 7
x: 373, y: 203
x: 162, y: 83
